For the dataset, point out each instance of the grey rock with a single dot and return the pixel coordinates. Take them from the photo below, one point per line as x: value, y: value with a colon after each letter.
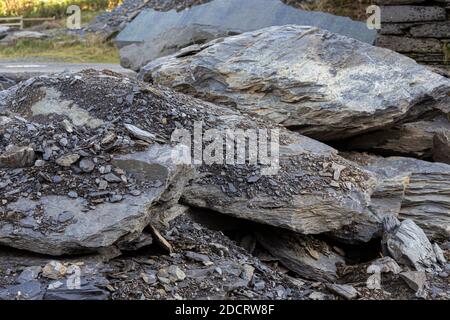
x: 410, y: 189
x: 294, y: 76
x: 198, y: 257
x: 346, y: 291
x: 409, y: 245
x: 439, y: 254
x: 17, y: 157
x: 88, y: 290
x: 111, y: 177
x: 441, y: 147
x: 13, y: 37
x: 301, y: 255
x: 374, y: 281
x: 139, y: 133
x: 72, y: 194
x: 154, y: 33
x: 29, y: 274
x: 384, y: 265
x: 421, y: 139
x: 31, y: 290
x: 414, y: 279
x: 111, y: 222
x: 67, y: 160
x: 87, y: 165
x: 175, y: 273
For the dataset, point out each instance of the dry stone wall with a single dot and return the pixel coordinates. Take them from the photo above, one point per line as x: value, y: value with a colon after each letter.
x: 419, y: 29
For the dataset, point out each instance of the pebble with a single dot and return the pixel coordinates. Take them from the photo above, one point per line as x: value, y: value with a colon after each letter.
x: 111, y: 177
x: 29, y: 274
x: 115, y: 198
x: 87, y: 165
x: 259, y: 285
x: 54, y: 270
x: 72, y: 194
x: 67, y: 160
x: 56, y: 179
x: 39, y: 163
x: 176, y: 273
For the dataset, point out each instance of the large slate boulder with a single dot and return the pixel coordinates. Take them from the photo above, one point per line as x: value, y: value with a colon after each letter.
x: 321, y: 84
x: 153, y: 34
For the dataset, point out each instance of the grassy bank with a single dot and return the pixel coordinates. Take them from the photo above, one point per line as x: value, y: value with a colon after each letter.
x: 62, y: 49
x: 52, y: 8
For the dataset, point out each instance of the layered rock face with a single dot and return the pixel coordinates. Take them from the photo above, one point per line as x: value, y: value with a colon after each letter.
x: 418, y: 29
x: 410, y: 189
x: 323, y: 85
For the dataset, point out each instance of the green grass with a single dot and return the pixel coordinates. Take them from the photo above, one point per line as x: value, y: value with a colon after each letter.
x: 62, y: 49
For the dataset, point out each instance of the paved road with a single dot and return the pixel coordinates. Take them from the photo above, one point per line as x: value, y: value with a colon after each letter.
x: 28, y: 69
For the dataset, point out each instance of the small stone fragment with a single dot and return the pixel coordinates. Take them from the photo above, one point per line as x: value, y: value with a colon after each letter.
x: 54, y: 270
x: 67, y: 160
x: 414, y: 279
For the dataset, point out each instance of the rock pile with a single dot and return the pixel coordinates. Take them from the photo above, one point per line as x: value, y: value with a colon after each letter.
x: 96, y: 174
x: 419, y: 29
x: 97, y: 163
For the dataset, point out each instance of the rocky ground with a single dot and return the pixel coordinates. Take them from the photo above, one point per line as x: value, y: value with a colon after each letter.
x: 176, y: 252
x: 100, y: 198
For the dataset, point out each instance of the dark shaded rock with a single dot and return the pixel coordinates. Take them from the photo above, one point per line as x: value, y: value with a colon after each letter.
x: 308, y: 257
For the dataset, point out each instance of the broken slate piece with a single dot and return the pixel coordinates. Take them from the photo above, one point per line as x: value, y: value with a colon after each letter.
x: 414, y: 279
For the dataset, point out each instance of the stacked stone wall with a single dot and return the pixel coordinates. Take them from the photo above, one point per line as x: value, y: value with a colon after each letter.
x: 419, y: 29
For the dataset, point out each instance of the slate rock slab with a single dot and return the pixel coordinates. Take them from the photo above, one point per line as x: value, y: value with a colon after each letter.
x: 324, y: 85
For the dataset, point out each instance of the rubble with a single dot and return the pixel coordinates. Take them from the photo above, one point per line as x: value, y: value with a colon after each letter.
x: 305, y: 78
x: 410, y: 189
x: 408, y: 244
x: 56, y: 207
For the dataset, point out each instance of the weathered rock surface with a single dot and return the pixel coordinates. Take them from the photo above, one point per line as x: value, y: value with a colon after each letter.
x: 153, y: 34
x: 441, y: 147
x: 410, y: 189
x: 308, y: 257
x: 408, y: 244
x: 323, y: 85
x: 5, y: 82
x: 425, y: 139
